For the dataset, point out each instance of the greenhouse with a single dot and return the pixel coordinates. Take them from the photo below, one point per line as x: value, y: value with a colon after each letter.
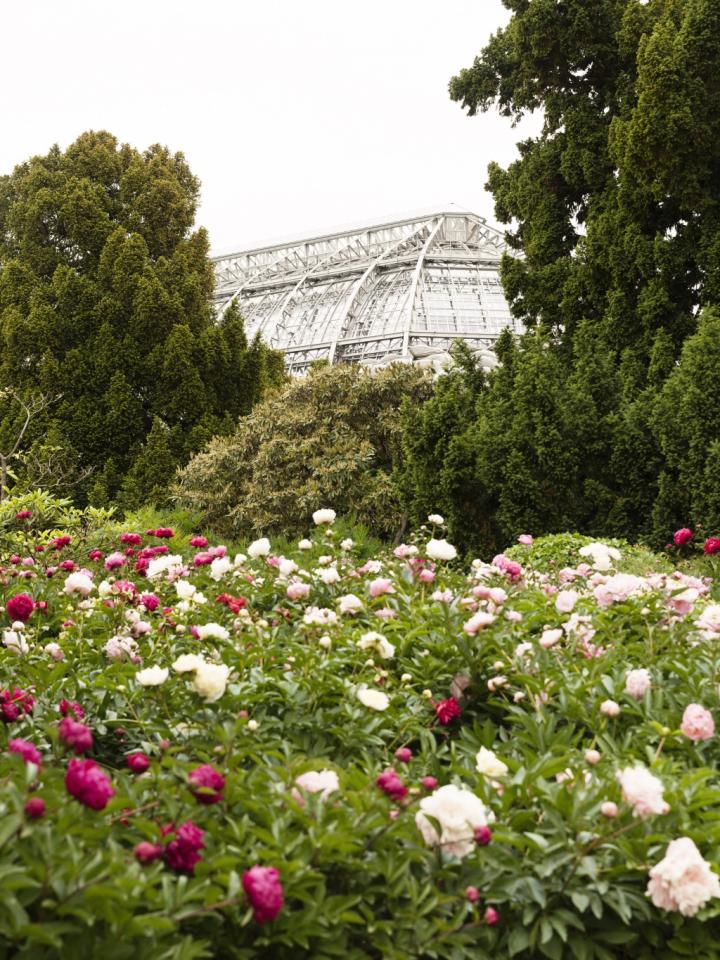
x: 403, y: 290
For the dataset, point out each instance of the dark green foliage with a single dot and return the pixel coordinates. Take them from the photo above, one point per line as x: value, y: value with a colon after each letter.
x: 105, y: 297
x: 615, y: 210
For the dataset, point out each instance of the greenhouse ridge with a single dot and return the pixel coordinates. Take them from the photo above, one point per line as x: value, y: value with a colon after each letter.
x: 402, y: 290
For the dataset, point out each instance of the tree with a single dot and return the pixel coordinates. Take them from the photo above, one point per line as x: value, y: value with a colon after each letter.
x: 331, y: 439
x: 105, y: 294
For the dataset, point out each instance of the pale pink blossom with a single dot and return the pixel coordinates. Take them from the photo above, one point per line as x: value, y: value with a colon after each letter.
x: 609, y: 809
x: 478, y: 622
x: 526, y: 539
x: 323, y: 782
x: 682, y: 881
x: 697, y: 723
x: 637, y: 683
x: 643, y: 791
x: 565, y: 601
x: 380, y: 586
x: 350, y: 604
x: 297, y: 590
x: 550, y: 637
x: 609, y: 708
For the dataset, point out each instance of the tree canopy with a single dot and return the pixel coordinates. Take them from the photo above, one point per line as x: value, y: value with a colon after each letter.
x: 105, y: 298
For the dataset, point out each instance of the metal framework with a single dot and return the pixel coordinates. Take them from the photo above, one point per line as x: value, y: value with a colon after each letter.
x: 396, y: 291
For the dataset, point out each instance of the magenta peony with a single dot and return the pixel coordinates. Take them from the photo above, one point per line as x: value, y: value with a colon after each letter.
x: 712, y: 546
x: 264, y: 891
x: 131, y: 539
x: 447, y: 710
x: 15, y: 702
x: 697, y: 723
x: 138, y: 762
x: 682, y: 536
x: 35, y: 808
x: 146, y: 852
x: 183, y: 852
x: 20, y: 607
x: 206, y: 784
x: 88, y: 783
x: 391, y: 784
x: 75, y: 735
x: 28, y: 751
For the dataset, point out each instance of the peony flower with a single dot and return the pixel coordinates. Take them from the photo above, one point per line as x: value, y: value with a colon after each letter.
x: 183, y: 851
x: 391, y: 784
x: 28, y: 751
x: 682, y: 536
x: 711, y: 546
x: 447, y: 710
x: 206, y: 783
x: 565, y: 601
x: 138, y: 762
x: 219, y: 567
x: 78, y: 583
x: 75, y: 735
x: 146, y: 852
x: 264, y: 890
x: 637, y: 683
x: 526, y: 539
x: 347, y: 544
x: 34, y: 808
x: 188, y: 662
x: 210, y: 680
x: 319, y: 617
x: 15, y: 641
x: 259, y: 548
x: 350, y: 604
x: 198, y: 542
x: 436, y: 519
x: 380, y: 586
x: 321, y: 517
x: 643, y: 791
x: 375, y: 699
x: 697, y: 723
x: 440, y: 550
x: 114, y: 560
x: 609, y: 708
x: 329, y: 575
x: 212, y: 631
x: 152, y: 676
x: 601, y: 554
x: 549, y: 638
x: 305, y: 544
x: 20, y: 607
x: 458, y: 813
x: 323, y: 782
x: 682, y: 881
x: 86, y: 782
x: 297, y: 590
x: 376, y: 641
x: 478, y: 622
x: 489, y: 765
x: 119, y: 647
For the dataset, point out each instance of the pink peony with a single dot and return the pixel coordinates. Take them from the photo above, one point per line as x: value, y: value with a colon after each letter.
x: 323, y: 782
x: 642, y: 791
x: 682, y: 536
x: 20, y: 607
x: 637, y: 683
x: 183, y: 851
x: 15, y: 702
x: 565, y: 601
x: 75, y: 735
x: 206, y: 784
x: 138, y: 762
x: 298, y: 591
x: 71, y: 706
x: 697, y: 723
x: 682, y: 881
x: 146, y: 852
x: 28, y: 751
x: 149, y: 601
x: 712, y: 546
x: 88, y: 783
x: 391, y: 784
x: 131, y: 539
x: 162, y: 533
x: 264, y: 891
x: 198, y: 541
x: 380, y: 586
x: 403, y: 754
x: 35, y: 808
x: 526, y: 539
x: 478, y: 622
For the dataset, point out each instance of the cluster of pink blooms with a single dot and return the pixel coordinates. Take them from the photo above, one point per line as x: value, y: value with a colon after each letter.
x: 685, y: 535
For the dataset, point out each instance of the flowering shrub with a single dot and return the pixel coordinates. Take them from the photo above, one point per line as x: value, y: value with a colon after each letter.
x: 499, y: 759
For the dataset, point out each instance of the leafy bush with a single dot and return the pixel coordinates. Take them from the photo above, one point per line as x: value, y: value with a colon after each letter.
x: 333, y: 437
x: 34, y: 518
x: 555, y: 872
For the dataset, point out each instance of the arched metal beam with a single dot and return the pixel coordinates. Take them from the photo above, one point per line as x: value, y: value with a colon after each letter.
x: 412, y: 292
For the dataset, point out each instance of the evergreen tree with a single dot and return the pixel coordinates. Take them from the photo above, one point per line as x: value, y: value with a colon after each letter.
x: 105, y: 297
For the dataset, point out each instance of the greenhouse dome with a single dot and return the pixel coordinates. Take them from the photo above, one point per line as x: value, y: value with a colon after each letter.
x: 399, y: 291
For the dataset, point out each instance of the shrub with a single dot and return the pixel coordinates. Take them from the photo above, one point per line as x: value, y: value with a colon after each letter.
x: 241, y: 774
x: 332, y: 437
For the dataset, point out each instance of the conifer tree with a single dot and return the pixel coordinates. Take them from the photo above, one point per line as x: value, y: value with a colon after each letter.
x: 105, y: 297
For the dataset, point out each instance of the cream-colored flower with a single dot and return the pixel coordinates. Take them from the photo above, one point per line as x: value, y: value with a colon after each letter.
x: 152, y: 676
x: 489, y: 765
x: 210, y: 680
x: 375, y: 699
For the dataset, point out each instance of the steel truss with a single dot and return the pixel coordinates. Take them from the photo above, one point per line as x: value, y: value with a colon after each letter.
x: 397, y: 291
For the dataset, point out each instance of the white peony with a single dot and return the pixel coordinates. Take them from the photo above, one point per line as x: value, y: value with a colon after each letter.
x: 375, y: 699
x: 319, y: 617
x: 350, y: 603
x: 15, y: 641
x: 601, y: 555
x: 347, y: 544
x: 329, y: 575
x: 305, y: 544
x: 489, y: 765
x: 323, y: 782
x: 321, y: 517
x: 188, y: 662
x: 458, y: 812
x: 682, y: 880
x: 219, y: 567
x: 185, y: 590
x: 440, y: 550
x: 376, y: 641
x: 436, y: 519
x: 170, y: 564
x: 259, y: 548
x: 78, y: 583
x: 212, y: 631
x: 210, y: 680
x: 287, y: 567
x: 152, y: 676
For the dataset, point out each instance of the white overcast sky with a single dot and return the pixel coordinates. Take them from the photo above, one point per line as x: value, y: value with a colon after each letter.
x: 297, y: 115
